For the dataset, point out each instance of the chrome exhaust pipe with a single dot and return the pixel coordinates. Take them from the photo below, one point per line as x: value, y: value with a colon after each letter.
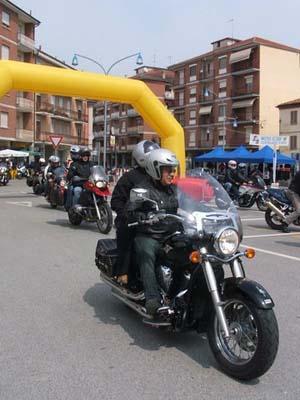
x: 124, y: 292
x: 136, y: 307
x: 269, y: 204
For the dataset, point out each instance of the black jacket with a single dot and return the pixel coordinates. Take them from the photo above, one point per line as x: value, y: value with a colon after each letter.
x: 295, y: 183
x: 166, y: 198
x: 120, y: 195
x: 234, y: 177
x: 81, y: 169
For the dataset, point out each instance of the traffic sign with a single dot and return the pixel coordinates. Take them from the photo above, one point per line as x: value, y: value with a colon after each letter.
x: 56, y: 140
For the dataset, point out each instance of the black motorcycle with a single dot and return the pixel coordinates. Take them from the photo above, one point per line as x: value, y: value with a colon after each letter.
x: 4, y: 174
x: 58, y: 187
x: 278, y: 207
x: 236, y: 313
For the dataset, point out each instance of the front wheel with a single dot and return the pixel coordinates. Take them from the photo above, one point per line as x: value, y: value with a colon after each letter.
x: 105, y: 223
x: 253, y: 343
x: 261, y: 204
x: 273, y: 220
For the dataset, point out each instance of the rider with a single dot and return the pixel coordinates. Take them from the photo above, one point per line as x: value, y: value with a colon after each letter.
x: 120, y: 197
x: 233, y: 179
x: 161, y: 165
x: 75, y: 154
x: 293, y: 194
x: 54, y: 163
x: 80, y: 168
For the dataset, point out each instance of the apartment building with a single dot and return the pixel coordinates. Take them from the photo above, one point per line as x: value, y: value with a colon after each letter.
x: 27, y: 120
x: 125, y: 126
x: 289, y: 122
x: 232, y: 91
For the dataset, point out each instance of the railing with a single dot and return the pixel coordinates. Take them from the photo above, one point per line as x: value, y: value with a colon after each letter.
x: 24, y: 104
x: 61, y: 111
x: 44, y: 136
x: 243, y: 92
x: 24, y: 134
x: 26, y: 41
x: 135, y: 130
x: 115, y: 115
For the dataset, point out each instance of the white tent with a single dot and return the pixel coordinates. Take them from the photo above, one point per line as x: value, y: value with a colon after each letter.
x: 13, y: 153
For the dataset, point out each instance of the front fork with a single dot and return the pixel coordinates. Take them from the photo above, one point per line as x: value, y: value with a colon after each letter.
x: 96, y: 206
x: 213, y: 288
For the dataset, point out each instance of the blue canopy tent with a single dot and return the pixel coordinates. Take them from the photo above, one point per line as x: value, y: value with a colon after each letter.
x: 241, y: 154
x: 216, y: 155
x: 265, y: 155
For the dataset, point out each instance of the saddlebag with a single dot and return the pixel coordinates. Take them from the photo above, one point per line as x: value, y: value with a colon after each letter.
x: 106, y: 256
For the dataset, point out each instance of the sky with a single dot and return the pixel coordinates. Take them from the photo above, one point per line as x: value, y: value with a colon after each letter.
x: 164, y: 31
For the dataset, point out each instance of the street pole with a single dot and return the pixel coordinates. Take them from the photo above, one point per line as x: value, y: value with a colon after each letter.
x: 139, y: 61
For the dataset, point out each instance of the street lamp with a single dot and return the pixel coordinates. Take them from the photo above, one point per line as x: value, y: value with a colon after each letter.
x: 139, y: 61
x: 207, y: 93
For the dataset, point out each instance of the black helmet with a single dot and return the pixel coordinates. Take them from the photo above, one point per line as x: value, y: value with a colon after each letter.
x: 85, y: 151
x: 141, y: 150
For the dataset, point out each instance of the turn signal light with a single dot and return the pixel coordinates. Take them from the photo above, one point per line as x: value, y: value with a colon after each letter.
x: 250, y: 253
x: 195, y: 257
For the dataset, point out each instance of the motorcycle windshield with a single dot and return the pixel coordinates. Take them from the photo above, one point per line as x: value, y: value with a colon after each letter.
x: 59, y: 172
x: 206, y: 202
x: 98, y: 174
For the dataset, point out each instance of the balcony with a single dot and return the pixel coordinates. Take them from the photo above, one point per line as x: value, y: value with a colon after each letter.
x: 44, y: 136
x: 25, y: 43
x: 243, y: 93
x: 99, y: 134
x: 243, y: 67
x: 115, y: 115
x: 98, y: 118
x: 204, y: 75
x: 135, y: 130
x: 24, y: 134
x: 24, y: 105
x: 55, y: 111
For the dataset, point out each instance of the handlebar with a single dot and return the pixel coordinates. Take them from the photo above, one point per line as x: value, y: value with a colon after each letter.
x: 155, y: 218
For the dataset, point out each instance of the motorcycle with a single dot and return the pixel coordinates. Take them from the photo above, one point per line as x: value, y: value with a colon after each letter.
x: 93, y: 205
x: 58, y: 187
x: 4, y: 174
x: 236, y: 313
x: 278, y: 207
x: 22, y: 172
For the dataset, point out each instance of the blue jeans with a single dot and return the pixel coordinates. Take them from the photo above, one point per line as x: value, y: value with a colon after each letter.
x: 69, y: 197
x: 76, y: 194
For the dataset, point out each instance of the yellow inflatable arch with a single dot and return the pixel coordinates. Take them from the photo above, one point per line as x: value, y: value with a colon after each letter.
x: 58, y: 81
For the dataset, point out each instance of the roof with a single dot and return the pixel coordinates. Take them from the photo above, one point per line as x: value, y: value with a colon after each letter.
x: 242, y: 44
x: 287, y: 104
x: 23, y: 14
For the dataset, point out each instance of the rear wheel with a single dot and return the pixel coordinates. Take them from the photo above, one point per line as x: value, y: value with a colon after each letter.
x: 74, y: 218
x: 253, y: 343
x: 105, y: 223
x: 273, y: 220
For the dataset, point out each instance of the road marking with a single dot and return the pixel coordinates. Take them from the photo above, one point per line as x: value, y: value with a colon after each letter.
x: 20, y: 203
x: 272, y: 234
x: 252, y: 219
x: 273, y: 253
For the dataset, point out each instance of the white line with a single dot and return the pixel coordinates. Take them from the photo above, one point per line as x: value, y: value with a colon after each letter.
x: 273, y: 253
x: 252, y: 219
x: 272, y: 234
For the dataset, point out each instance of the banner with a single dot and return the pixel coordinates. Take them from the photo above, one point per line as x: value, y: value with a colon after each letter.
x: 268, y: 140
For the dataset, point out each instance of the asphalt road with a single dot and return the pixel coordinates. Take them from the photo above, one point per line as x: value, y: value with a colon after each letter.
x: 63, y: 336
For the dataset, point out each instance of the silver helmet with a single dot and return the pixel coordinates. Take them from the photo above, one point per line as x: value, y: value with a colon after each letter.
x: 141, y: 150
x: 160, y: 158
x: 232, y: 164
x: 74, y: 151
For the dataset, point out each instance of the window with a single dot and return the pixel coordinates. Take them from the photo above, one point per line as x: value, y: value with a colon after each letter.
x: 3, y: 120
x: 222, y: 65
x: 248, y: 132
x: 192, y: 120
x: 222, y: 137
x: 5, y: 18
x: 181, y: 98
x: 193, y: 76
x: 4, y: 52
x: 294, y: 117
x: 181, y: 77
x: 123, y: 126
x: 293, y: 142
x: 249, y: 83
x: 193, y: 94
x: 192, y: 139
x: 222, y: 88
x: 222, y: 112
x: 180, y: 118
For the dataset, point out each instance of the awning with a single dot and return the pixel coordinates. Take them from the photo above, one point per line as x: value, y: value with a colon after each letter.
x: 240, y: 56
x: 205, y: 110
x: 243, y: 103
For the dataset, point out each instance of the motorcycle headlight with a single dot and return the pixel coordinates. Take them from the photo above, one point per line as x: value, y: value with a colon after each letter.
x: 226, y: 241
x: 101, y: 184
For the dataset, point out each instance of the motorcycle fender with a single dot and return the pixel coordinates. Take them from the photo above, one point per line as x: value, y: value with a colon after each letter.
x: 251, y: 289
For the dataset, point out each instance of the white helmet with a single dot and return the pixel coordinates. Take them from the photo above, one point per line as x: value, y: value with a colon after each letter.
x: 42, y: 161
x: 141, y: 150
x: 157, y: 159
x: 232, y: 164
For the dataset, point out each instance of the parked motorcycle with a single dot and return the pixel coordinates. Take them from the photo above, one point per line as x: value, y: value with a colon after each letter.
x: 93, y: 205
x: 4, y: 174
x: 58, y: 187
x: 278, y: 207
x: 236, y: 313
